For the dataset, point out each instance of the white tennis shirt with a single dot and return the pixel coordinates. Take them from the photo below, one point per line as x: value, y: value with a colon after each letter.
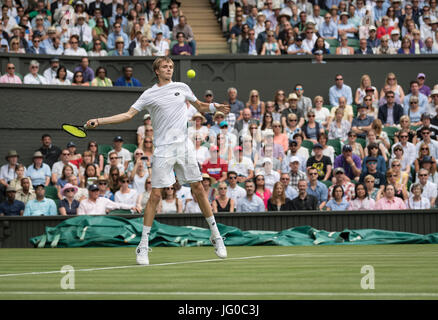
x: 168, y: 110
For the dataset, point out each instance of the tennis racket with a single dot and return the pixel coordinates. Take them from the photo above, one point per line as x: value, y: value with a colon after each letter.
x: 75, y: 131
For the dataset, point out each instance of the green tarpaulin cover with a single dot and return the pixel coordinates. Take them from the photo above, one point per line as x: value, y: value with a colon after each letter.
x: 113, y: 231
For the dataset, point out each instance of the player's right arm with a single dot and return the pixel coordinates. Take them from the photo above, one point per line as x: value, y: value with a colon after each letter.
x: 118, y: 118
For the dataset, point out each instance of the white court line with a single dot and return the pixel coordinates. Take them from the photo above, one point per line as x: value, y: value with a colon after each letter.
x: 305, y: 255
x: 253, y: 294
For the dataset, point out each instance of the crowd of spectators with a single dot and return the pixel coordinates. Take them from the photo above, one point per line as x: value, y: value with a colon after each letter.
x: 95, y: 28
x: 330, y: 27
x: 372, y: 148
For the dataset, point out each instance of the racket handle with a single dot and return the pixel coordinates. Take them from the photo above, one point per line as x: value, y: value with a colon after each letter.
x: 87, y: 127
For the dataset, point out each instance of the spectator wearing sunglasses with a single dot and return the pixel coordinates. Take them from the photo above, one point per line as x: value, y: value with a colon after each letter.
x: 68, y: 205
x: 96, y: 205
x: 391, y: 112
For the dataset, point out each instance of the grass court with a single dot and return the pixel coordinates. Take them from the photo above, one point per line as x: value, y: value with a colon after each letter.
x: 256, y: 273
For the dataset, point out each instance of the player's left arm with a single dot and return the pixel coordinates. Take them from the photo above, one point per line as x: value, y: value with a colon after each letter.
x: 204, y: 107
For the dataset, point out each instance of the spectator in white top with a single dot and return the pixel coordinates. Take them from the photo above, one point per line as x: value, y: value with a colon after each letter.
x: 59, y: 166
x: 243, y: 166
x: 114, y: 161
x: 33, y: 77
x: 271, y: 176
x: 429, y: 188
x: 74, y: 49
x: 96, y: 205
x: 126, y: 195
x: 416, y: 200
x: 234, y: 191
x: 82, y: 30
x: 125, y: 155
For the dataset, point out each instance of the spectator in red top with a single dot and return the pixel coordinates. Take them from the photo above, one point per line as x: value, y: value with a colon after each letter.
x: 215, y: 166
x: 385, y: 28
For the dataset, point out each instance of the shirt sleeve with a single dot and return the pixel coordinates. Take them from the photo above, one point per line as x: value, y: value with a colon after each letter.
x: 142, y: 102
x: 189, y: 95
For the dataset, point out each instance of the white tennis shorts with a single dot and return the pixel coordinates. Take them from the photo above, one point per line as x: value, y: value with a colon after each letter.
x: 175, y: 159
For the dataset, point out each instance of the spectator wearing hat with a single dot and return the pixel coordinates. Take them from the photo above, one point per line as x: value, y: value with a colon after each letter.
x: 270, y: 175
x: 115, y: 35
x: 8, y: 171
x: 198, y: 127
x: 297, y: 48
x: 251, y: 202
x: 422, y: 87
x: 96, y: 205
x: 68, y: 205
x: 293, y: 108
x: 340, y: 179
x: 141, y: 130
x: 11, y: 207
x: 371, y: 169
x: 320, y: 162
x: 122, y: 153
x: 345, y: 27
x: 75, y: 157
x: 394, y: 40
x: 362, y: 123
x: 218, y: 118
x: 428, y: 163
x: 120, y: 49
x: 83, y: 30
x: 391, y: 112
x: 294, y: 171
x: 293, y: 151
x: 38, y: 171
x: 40, y: 206
x: 348, y: 161
x: 319, y: 57
x: 372, y: 40
x: 432, y: 107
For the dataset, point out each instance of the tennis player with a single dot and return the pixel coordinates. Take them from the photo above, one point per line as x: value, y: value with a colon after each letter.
x: 174, y: 153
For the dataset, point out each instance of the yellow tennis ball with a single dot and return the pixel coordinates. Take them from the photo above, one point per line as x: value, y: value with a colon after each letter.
x: 191, y: 73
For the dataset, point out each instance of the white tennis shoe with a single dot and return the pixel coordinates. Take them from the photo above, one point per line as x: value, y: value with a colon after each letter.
x: 142, y: 255
x: 219, y: 247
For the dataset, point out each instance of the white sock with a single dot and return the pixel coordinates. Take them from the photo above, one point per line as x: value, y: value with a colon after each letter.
x: 145, y: 236
x: 213, y: 227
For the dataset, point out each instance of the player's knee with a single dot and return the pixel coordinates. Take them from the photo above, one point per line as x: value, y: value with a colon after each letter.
x: 197, y: 187
x: 155, y: 196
